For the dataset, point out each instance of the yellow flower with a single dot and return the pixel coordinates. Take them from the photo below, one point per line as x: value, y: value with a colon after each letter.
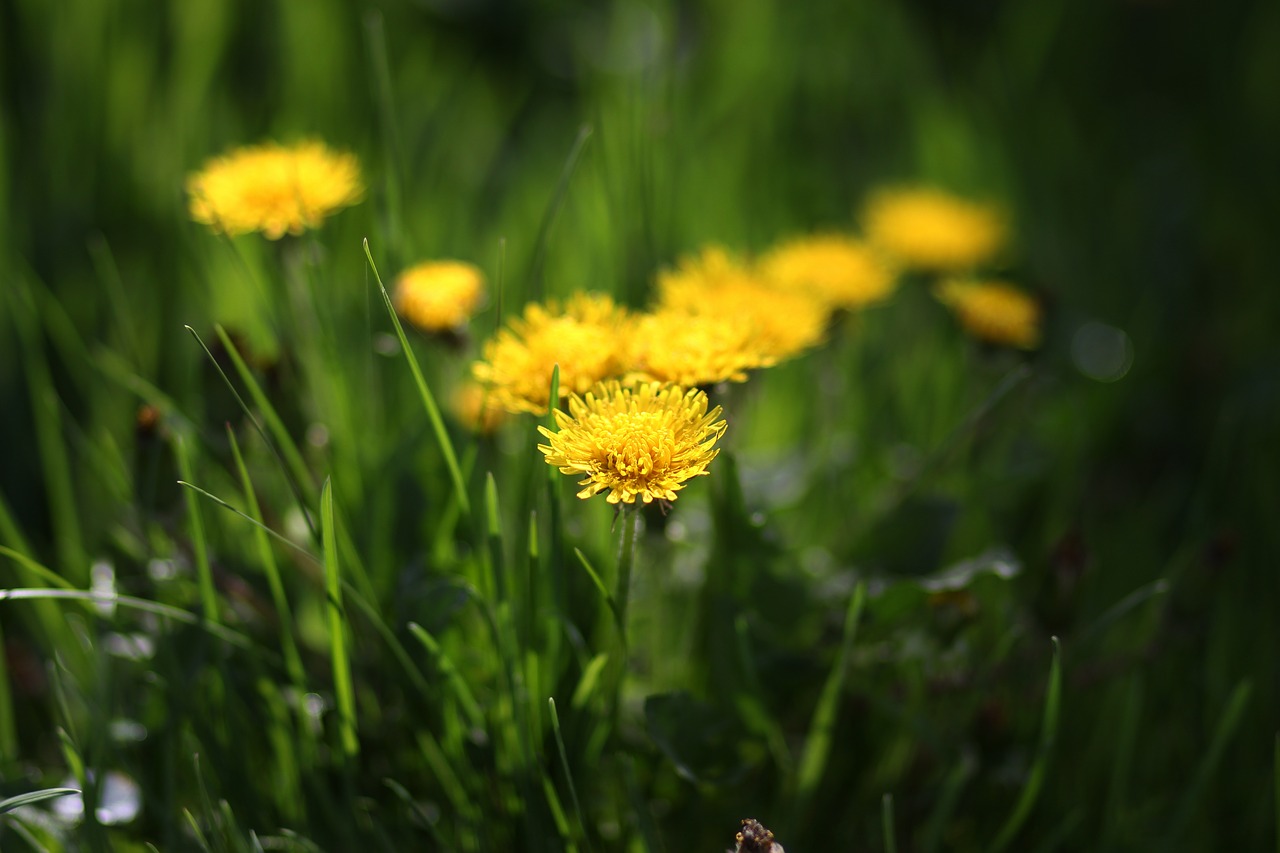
x: 272, y: 188
x: 836, y: 269
x: 645, y: 441
x: 477, y: 410
x: 931, y: 230
x: 993, y: 311
x: 781, y: 324
x: 437, y: 296
x: 587, y: 338
x: 679, y: 346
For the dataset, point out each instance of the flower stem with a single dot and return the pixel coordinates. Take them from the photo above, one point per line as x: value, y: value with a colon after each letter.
x: 626, y: 558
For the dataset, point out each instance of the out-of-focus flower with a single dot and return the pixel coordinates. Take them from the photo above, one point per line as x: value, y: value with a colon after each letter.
x: 994, y: 311
x: 477, y: 410
x: 839, y: 270
x: 437, y: 296
x: 782, y: 324
x: 932, y: 230
x: 689, y: 349
x: 272, y: 188
x: 586, y: 337
x: 642, y: 442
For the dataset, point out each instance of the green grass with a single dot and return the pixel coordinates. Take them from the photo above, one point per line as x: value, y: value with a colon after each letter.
x: 932, y: 595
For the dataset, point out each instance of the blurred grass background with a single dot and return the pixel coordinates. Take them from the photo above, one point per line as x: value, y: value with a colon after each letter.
x: 561, y: 147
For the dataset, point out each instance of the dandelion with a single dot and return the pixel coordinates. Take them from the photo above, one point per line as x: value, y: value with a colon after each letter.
x: 781, y: 324
x: 643, y: 442
x: 275, y: 189
x: 994, y: 312
x: 438, y: 296
x: 476, y: 409
x: 691, y: 349
x: 932, y: 230
x: 839, y: 270
x: 586, y: 337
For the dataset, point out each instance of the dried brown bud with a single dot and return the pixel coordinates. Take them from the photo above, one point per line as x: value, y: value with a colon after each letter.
x: 754, y: 838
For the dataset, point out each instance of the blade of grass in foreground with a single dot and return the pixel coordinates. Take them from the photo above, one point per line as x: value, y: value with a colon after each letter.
x: 1035, y: 779
x: 292, y: 660
x: 33, y: 797
x: 817, y: 747
x: 337, y: 628
x: 1222, y: 735
x: 208, y: 596
x: 568, y: 773
x: 886, y: 824
x: 428, y: 400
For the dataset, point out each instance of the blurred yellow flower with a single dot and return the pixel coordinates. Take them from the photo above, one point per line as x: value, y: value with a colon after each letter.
x: 587, y: 338
x: 674, y: 345
x: 272, y: 188
x: 781, y: 324
x: 645, y: 441
x: 993, y: 311
x: 839, y: 270
x: 437, y: 296
x: 932, y: 230
x: 477, y: 410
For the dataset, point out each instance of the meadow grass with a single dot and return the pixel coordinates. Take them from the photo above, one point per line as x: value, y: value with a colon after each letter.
x: 259, y: 579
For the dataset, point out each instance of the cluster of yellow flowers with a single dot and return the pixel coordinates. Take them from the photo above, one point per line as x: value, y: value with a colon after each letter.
x: 638, y: 426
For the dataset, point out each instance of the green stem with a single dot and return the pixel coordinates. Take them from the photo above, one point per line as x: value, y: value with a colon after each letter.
x: 626, y: 558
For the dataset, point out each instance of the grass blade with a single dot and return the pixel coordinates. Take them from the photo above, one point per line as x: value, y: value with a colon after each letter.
x: 568, y: 773
x: 204, y: 574
x: 1222, y: 735
x: 34, y: 797
x: 817, y: 746
x: 886, y: 824
x: 342, y: 686
x: 428, y: 400
x: 1035, y: 779
x: 549, y: 215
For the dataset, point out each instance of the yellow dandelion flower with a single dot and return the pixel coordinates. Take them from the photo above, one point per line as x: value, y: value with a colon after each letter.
x: 781, y: 324
x: 477, y: 410
x: 839, y: 270
x: 437, y: 296
x: 932, y: 230
x: 993, y: 311
x: 641, y: 442
x: 275, y: 189
x: 587, y: 338
x: 690, y: 349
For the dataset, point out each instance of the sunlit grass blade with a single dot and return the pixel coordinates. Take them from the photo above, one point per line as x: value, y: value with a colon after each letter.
x: 1039, y: 770
x: 204, y: 574
x: 568, y: 771
x: 283, y: 448
x: 227, y: 635
x: 1201, y: 781
x: 8, y: 726
x: 412, y: 805
x: 292, y: 660
x: 553, y: 208
x: 279, y: 537
x: 589, y: 681
x: 428, y: 400
x: 952, y: 787
x: 886, y: 824
x: 34, y: 797
x: 600, y: 586
x: 817, y: 747
x: 51, y: 447
x: 344, y: 693
x: 1126, y: 736
x: 462, y: 692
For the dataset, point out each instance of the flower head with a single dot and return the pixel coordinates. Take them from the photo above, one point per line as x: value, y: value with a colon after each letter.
x: 688, y: 348
x: 993, y: 311
x: 437, y: 296
x: 836, y: 269
x: 272, y: 188
x: 586, y: 337
x: 476, y: 409
x: 781, y: 324
x: 642, y: 442
x: 932, y: 230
